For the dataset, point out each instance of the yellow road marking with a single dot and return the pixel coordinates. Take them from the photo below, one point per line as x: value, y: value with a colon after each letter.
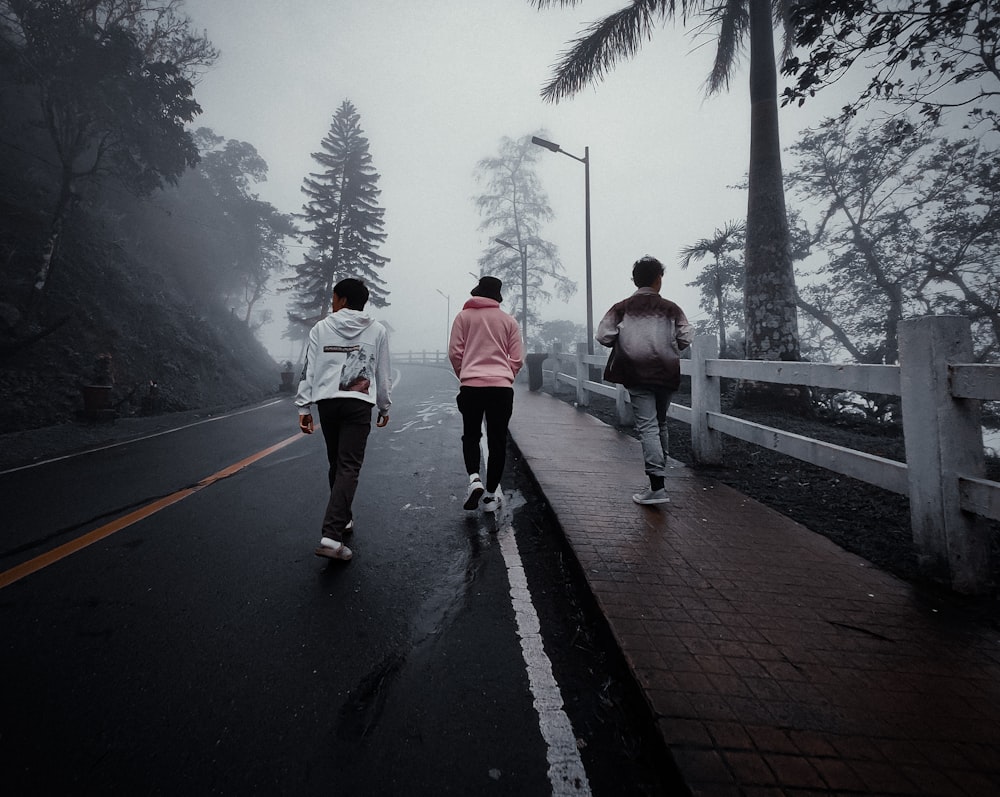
x: 8, y: 577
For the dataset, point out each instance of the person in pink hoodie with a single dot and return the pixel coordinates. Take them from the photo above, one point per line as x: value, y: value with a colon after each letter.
x: 486, y: 352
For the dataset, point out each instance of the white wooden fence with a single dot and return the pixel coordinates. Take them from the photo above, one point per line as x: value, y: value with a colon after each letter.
x: 421, y: 358
x: 941, y: 395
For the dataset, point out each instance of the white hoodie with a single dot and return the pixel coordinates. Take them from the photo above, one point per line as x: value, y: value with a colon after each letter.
x: 347, y: 357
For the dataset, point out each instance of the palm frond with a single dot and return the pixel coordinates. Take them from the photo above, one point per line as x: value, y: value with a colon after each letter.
x: 604, y: 43
x: 729, y: 22
x: 783, y: 17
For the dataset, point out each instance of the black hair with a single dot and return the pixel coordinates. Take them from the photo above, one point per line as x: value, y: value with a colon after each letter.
x: 645, y: 270
x: 354, y: 291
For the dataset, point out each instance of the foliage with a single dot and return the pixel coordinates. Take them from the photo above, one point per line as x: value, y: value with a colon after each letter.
x: 513, y: 208
x: 769, y: 285
x: 160, y: 28
x: 256, y: 229
x: 343, y: 217
x: 560, y: 336
x: 908, y: 224
x: 620, y: 35
x: 107, y: 110
x: 920, y: 53
x: 720, y: 281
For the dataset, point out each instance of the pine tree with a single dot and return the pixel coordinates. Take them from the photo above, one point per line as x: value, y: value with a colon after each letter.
x: 342, y: 219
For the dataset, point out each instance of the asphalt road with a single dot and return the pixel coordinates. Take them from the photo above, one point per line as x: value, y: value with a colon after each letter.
x: 203, y: 649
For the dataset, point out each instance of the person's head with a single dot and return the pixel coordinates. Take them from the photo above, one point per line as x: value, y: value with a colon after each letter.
x: 646, y: 272
x: 489, y: 288
x: 350, y: 293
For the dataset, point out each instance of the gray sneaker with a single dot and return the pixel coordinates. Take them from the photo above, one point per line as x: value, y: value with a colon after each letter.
x: 652, y: 496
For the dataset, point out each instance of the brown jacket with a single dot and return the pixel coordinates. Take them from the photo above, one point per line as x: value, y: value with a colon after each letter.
x: 646, y: 334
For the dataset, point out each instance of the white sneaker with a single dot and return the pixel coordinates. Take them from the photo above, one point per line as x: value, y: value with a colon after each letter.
x: 492, y: 501
x: 332, y: 549
x: 652, y: 496
x: 474, y: 493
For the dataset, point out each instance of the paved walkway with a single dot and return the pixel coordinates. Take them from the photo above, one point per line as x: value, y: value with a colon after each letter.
x: 775, y: 662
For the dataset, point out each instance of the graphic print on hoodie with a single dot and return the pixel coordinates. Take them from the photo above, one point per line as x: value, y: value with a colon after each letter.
x: 354, y: 374
x: 347, y: 357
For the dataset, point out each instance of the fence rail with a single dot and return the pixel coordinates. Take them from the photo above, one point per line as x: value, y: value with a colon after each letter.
x: 421, y: 358
x: 941, y: 392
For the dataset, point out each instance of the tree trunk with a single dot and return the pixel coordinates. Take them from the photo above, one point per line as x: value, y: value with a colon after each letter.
x: 769, y: 287
x: 723, y: 345
x: 769, y: 282
x: 52, y: 242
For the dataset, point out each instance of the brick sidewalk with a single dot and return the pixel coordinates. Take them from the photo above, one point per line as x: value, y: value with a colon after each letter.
x: 775, y: 662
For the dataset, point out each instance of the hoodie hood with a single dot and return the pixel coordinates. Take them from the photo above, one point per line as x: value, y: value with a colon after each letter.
x: 349, y: 323
x: 479, y: 303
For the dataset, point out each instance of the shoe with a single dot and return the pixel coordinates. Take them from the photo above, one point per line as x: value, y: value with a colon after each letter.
x: 492, y: 501
x: 349, y: 528
x: 652, y: 496
x: 474, y: 493
x: 332, y: 549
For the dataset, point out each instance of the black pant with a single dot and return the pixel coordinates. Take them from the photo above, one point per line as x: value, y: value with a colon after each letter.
x: 346, y: 423
x: 495, y: 404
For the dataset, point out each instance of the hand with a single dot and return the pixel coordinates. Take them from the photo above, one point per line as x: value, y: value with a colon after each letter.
x: 306, y: 424
x: 382, y: 420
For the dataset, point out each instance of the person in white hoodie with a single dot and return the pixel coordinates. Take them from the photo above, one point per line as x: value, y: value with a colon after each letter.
x: 346, y: 374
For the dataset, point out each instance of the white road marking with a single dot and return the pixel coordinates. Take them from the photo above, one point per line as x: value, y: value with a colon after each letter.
x: 566, y: 771
x: 146, y: 437
x: 567, y: 775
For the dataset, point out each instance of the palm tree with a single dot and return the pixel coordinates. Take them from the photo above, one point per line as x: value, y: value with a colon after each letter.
x: 769, y: 283
x: 722, y: 273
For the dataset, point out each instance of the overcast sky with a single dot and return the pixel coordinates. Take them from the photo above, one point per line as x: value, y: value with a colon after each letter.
x: 437, y: 84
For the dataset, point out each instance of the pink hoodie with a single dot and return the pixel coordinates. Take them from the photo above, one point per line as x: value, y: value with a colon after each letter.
x: 485, y: 348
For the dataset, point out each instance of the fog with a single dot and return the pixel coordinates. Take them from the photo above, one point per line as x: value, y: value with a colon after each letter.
x: 437, y: 84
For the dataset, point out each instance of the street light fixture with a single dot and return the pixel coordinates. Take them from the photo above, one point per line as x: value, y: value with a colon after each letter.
x: 447, y: 320
x: 585, y: 160
x: 523, y: 251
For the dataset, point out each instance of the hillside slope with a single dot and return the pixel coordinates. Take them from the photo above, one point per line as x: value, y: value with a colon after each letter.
x: 105, y: 301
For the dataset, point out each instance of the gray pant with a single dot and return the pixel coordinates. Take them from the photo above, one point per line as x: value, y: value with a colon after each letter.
x: 346, y: 423
x: 649, y: 405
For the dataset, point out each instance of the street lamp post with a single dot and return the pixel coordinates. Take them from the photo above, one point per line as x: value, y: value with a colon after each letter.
x: 585, y: 160
x: 523, y: 252
x: 447, y: 321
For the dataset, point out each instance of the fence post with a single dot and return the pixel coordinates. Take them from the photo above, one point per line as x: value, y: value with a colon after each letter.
x: 556, y: 368
x: 706, y: 444
x: 623, y: 406
x: 582, y: 375
x: 943, y: 437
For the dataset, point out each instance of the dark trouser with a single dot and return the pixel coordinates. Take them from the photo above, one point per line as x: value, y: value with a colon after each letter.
x: 346, y: 423
x: 495, y: 404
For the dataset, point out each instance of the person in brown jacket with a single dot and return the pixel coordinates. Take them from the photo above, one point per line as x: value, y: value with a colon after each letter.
x: 646, y: 334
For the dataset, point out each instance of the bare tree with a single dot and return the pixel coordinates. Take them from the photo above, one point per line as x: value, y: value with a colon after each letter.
x: 513, y: 208
x: 909, y: 223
